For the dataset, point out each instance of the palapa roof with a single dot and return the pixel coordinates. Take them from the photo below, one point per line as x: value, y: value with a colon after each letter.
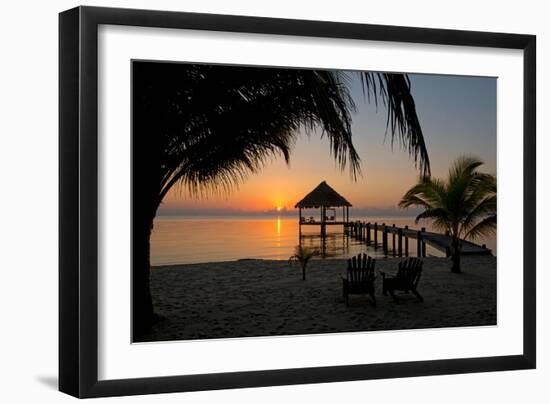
x: 322, y: 195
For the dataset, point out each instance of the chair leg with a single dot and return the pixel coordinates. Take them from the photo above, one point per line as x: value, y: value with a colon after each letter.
x: 392, y: 294
x: 418, y: 295
x: 373, y: 299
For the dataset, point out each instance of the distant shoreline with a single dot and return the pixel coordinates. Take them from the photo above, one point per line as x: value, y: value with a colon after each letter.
x: 266, y: 260
x: 355, y: 214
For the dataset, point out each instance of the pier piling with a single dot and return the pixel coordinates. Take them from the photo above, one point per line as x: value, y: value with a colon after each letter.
x: 368, y: 233
x: 406, y: 243
x: 423, y: 243
x: 400, y: 242
x: 385, y: 238
x: 393, y: 239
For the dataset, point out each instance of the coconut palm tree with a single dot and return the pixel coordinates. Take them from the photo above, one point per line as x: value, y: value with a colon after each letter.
x: 464, y: 205
x: 302, y: 255
x: 204, y: 128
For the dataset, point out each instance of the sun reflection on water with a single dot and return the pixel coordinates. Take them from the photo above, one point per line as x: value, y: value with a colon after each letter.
x: 184, y: 240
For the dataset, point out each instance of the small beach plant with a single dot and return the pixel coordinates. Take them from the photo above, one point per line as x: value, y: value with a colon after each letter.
x: 302, y: 256
x: 464, y: 204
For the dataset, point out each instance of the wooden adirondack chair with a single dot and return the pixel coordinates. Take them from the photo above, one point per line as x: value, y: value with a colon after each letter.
x: 359, y: 277
x: 406, y: 279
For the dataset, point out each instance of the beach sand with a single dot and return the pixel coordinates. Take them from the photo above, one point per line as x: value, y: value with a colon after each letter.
x: 261, y: 298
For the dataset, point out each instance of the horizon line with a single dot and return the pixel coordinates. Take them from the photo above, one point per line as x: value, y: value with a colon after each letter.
x: 283, y: 212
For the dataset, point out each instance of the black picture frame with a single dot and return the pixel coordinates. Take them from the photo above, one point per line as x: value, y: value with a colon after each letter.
x: 78, y: 203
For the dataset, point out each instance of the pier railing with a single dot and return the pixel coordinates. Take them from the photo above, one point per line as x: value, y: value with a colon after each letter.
x: 370, y: 233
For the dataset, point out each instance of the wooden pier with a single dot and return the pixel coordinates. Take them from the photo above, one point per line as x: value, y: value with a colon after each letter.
x: 368, y: 232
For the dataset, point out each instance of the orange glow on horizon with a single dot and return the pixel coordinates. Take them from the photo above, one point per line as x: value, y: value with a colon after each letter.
x: 258, y: 195
x: 278, y: 186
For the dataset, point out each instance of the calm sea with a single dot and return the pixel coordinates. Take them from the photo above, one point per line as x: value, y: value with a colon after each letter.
x: 186, y: 240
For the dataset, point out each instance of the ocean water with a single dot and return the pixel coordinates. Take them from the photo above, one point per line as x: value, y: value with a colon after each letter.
x: 189, y: 239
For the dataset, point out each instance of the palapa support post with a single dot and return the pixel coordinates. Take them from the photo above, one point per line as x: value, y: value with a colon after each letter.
x: 400, y: 242
x: 406, y: 242
x: 393, y: 239
x: 300, y: 223
x: 368, y: 233
x: 344, y: 219
x: 385, y: 238
x: 418, y: 244
x: 423, y: 243
x: 375, y: 235
x: 323, y: 224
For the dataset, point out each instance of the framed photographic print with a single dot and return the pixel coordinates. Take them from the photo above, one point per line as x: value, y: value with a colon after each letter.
x: 250, y: 202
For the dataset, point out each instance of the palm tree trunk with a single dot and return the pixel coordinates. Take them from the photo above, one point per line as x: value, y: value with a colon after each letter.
x: 455, y: 255
x: 144, y: 209
x: 142, y: 309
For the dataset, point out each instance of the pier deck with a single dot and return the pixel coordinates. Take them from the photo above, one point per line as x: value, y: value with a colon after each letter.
x: 368, y: 232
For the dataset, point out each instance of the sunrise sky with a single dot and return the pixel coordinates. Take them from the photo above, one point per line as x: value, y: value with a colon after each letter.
x: 457, y: 114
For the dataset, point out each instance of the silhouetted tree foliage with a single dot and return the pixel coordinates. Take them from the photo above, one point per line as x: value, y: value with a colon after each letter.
x: 206, y: 127
x: 465, y: 204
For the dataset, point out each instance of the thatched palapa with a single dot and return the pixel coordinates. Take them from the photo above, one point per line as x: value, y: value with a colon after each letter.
x: 323, y: 196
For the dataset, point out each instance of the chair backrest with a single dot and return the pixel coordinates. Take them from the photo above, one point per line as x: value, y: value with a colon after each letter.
x: 361, y: 269
x: 410, y: 271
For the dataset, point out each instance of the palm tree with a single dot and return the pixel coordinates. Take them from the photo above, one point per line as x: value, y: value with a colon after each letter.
x: 204, y: 128
x: 464, y: 205
x: 303, y: 255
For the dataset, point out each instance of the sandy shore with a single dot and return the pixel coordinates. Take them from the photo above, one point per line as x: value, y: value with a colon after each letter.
x: 259, y: 298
